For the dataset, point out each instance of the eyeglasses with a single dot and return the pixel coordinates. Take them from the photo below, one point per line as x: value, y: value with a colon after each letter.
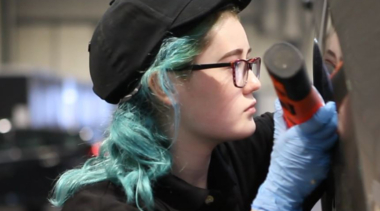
x: 239, y: 67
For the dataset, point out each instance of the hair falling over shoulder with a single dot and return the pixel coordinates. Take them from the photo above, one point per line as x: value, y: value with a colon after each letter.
x: 136, y: 152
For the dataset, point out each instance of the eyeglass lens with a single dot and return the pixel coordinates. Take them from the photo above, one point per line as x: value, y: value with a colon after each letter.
x: 241, y: 71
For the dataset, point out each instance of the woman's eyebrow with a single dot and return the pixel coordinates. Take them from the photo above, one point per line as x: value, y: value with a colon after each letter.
x: 332, y: 56
x: 238, y: 51
x: 331, y: 53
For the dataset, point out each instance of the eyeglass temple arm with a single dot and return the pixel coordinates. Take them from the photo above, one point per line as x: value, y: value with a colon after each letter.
x: 208, y: 66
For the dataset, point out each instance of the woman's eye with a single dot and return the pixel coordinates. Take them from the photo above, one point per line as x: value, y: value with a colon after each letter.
x: 330, y: 66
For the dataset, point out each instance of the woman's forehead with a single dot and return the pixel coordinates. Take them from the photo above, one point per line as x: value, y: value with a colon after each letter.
x: 227, y: 35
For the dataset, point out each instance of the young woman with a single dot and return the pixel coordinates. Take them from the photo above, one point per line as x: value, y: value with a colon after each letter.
x: 183, y: 136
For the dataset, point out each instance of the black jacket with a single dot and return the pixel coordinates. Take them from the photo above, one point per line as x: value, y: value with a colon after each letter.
x: 236, y: 171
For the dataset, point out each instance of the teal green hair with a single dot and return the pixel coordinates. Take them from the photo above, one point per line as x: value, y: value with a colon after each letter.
x: 136, y: 152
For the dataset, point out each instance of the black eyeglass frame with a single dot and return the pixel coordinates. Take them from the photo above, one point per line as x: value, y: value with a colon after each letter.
x: 233, y: 64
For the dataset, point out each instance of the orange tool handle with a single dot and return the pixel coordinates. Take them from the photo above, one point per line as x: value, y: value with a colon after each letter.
x: 297, y: 96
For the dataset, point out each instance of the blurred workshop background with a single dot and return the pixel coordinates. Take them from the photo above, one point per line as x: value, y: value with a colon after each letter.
x: 50, y: 120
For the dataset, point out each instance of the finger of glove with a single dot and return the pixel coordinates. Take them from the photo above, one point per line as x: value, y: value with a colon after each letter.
x: 319, y: 119
x: 296, y: 147
x: 279, y: 122
x: 321, y: 131
x: 290, y: 157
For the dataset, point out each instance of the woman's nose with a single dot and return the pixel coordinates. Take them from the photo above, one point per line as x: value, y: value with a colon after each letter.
x: 252, y: 85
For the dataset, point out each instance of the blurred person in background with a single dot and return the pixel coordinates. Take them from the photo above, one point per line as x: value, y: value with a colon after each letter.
x: 183, y: 136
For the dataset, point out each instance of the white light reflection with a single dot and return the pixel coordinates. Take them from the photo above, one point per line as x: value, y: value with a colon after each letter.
x: 5, y: 126
x: 86, y: 134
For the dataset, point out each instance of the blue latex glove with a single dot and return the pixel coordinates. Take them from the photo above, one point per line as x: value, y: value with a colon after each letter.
x: 300, y: 160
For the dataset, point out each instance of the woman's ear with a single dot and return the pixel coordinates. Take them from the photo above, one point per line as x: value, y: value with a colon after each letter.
x: 156, y: 89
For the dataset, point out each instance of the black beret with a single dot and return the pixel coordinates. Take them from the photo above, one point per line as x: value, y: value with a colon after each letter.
x: 129, y: 34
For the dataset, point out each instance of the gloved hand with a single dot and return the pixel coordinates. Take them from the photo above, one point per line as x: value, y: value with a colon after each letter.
x: 300, y: 160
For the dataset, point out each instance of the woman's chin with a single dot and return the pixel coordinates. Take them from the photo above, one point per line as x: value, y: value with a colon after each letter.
x: 246, y: 131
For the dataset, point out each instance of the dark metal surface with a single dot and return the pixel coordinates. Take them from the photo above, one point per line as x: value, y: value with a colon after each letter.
x: 356, y: 169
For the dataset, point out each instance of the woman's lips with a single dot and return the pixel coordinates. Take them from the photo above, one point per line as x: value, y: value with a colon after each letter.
x: 251, y: 108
